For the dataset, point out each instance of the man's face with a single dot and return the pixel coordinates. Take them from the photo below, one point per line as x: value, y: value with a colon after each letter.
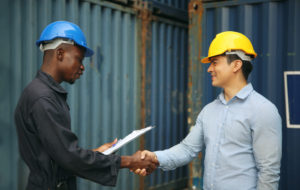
x: 221, y: 72
x: 71, y: 65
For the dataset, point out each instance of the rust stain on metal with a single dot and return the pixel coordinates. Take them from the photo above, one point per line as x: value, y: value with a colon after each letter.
x: 195, y: 10
x: 195, y: 17
x: 144, y: 16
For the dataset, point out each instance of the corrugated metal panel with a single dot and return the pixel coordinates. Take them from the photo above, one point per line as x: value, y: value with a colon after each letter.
x: 6, y: 143
x: 166, y: 108
x: 177, y: 4
x: 273, y: 28
x: 174, y: 9
x: 104, y: 103
x: 111, y: 78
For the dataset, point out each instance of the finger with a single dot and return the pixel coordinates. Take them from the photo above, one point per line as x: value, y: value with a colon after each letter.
x: 151, y: 167
x: 112, y: 143
x: 155, y: 161
x: 143, y: 154
x: 143, y: 172
x: 137, y: 171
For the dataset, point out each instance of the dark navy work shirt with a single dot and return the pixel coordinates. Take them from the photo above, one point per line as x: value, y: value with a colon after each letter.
x: 47, y: 144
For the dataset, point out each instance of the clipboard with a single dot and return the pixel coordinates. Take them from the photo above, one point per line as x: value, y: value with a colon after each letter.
x: 121, y: 142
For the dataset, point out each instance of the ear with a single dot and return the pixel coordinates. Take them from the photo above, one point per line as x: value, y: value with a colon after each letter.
x: 60, y: 54
x: 237, y: 65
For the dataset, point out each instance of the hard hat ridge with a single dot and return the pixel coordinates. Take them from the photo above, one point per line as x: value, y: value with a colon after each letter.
x: 240, y: 54
x: 64, y: 30
x: 55, y: 43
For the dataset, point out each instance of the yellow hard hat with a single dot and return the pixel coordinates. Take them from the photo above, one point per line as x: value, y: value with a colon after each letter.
x: 229, y: 41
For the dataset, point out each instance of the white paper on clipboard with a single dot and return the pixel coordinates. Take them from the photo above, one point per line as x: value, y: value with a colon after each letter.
x: 133, y: 135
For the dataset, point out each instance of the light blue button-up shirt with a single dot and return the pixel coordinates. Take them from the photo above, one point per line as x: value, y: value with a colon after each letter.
x: 242, y: 141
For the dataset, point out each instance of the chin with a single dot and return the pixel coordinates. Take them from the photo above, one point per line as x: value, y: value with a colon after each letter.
x: 215, y: 85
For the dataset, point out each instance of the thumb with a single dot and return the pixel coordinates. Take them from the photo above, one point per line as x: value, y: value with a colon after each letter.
x: 113, y: 142
x: 143, y: 155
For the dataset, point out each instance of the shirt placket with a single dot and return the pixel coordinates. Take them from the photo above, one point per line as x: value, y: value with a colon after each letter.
x: 216, y: 146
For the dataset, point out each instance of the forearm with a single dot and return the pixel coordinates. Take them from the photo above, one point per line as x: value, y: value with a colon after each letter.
x: 175, y: 156
x: 268, y: 180
x: 102, y: 169
x: 184, y: 152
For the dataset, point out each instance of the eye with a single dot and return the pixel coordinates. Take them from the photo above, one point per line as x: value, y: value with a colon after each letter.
x: 214, y: 63
x: 80, y: 59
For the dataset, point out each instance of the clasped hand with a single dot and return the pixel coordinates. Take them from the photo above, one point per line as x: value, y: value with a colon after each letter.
x: 141, y: 163
x: 149, y: 158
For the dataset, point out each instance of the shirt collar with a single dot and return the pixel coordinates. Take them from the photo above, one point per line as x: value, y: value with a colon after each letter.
x: 46, y: 78
x: 242, y: 94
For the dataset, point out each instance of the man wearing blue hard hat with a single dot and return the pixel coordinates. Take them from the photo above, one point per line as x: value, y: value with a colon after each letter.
x: 46, y: 142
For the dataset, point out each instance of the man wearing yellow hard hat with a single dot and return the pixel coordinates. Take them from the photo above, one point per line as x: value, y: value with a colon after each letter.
x: 240, y: 130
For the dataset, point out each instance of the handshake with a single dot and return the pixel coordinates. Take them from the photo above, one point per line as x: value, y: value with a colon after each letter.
x: 141, y: 163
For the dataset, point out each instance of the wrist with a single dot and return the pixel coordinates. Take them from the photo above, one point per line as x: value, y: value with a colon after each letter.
x: 125, y: 161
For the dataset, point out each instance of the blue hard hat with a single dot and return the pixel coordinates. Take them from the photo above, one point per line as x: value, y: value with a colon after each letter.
x: 67, y: 30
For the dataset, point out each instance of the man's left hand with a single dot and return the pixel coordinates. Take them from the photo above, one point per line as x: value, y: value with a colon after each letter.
x: 105, y: 146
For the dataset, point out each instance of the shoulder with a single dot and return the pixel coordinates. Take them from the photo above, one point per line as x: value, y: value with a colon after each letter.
x: 37, y: 89
x: 260, y: 102
x: 211, y: 107
x: 208, y: 109
x: 262, y: 107
x: 34, y: 91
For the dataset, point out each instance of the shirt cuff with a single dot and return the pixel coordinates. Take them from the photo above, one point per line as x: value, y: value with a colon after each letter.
x: 161, y: 158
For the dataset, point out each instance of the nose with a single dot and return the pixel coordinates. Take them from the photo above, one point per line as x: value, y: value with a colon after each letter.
x: 82, y: 67
x: 209, y: 70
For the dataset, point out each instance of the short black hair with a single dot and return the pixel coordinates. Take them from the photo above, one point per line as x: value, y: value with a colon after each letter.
x: 246, y: 67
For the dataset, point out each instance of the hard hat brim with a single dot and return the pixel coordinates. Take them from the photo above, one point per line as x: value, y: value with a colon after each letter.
x: 205, y: 60
x: 88, y: 52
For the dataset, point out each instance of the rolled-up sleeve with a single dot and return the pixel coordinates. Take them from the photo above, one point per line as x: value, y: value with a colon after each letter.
x: 267, y: 147
x: 61, y: 144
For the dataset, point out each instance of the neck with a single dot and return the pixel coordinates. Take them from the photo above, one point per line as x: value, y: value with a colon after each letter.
x: 231, y: 90
x: 50, y: 70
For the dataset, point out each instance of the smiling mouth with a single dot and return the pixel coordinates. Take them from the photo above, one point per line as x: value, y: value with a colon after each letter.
x: 78, y: 75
